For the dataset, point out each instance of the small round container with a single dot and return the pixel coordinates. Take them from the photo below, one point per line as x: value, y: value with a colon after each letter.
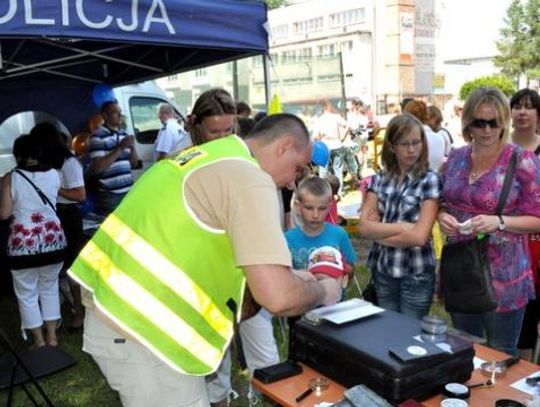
x: 456, y: 391
x: 493, y: 369
x: 441, y: 338
x: 454, y: 403
x: 433, y: 325
x: 319, y: 384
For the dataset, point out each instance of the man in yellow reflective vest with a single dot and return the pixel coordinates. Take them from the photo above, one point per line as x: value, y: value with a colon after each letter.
x: 163, y: 278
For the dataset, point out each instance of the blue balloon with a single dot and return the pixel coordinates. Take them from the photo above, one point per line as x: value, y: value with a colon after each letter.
x: 102, y: 93
x: 320, y: 153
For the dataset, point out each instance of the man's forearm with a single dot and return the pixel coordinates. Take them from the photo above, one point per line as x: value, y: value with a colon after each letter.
x: 281, y: 292
x: 100, y: 164
x: 302, y: 297
x: 133, y: 157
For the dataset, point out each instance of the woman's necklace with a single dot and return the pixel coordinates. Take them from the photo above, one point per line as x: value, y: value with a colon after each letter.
x: 480, y: 164
x: 478, y: 171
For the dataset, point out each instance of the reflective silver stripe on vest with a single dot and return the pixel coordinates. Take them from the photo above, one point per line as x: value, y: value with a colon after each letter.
x: 169, y: 274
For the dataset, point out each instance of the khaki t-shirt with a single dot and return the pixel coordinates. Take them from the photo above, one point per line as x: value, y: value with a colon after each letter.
x: 238, y: 197
x: 241, y: 199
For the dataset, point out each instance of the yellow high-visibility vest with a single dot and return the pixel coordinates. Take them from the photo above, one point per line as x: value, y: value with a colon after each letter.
x: 163, y: 276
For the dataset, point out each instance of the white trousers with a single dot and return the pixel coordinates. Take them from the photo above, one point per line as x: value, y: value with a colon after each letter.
x: 37, y: 294
x: 140, y: 378
x: 260, y: 350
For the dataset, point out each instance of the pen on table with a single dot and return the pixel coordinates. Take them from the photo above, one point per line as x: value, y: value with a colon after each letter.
x: 304, y: 395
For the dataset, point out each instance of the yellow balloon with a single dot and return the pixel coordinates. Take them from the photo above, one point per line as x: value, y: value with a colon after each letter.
x: 275, y: 106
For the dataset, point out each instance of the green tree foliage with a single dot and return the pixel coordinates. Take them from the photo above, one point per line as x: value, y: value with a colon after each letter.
x: 520, y: 40
x: 494, y: 81
x: 275, y: 3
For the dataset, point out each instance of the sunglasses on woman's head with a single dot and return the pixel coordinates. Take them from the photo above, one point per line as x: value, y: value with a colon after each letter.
x: 483, y: 123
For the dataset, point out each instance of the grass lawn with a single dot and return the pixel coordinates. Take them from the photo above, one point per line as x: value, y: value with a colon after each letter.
x: 83, y: 384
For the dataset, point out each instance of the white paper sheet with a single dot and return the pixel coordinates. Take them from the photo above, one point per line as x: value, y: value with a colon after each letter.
x: 345, y: 311
x: 521, y: 385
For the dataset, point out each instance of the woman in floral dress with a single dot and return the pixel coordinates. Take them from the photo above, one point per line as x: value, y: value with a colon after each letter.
x: 36, y: 241
x: 472, y: 183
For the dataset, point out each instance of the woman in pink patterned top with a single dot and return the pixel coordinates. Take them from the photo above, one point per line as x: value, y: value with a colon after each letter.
x: 472, y: 182
x: 525, y: 107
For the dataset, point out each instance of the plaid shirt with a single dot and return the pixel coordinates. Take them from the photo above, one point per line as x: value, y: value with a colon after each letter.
x: 401, y: 203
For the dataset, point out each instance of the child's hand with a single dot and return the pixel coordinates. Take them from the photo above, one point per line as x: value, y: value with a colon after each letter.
x: 332, y: 290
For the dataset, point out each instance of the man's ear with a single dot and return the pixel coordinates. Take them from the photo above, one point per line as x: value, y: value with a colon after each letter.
x: 285, y: 143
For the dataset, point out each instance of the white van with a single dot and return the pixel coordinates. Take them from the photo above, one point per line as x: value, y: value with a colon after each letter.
x: 139, y: 105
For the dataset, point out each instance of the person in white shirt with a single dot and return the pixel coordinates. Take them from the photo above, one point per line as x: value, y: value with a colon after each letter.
x: 332, y: 130
x: 358, y: 122
x: 454, y: 124
x: 435, y: 141
x: 434, y: 121
x: 171, y: 136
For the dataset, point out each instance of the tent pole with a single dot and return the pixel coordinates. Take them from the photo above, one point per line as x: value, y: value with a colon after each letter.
x: 235, y: 80
x: 267, y: 89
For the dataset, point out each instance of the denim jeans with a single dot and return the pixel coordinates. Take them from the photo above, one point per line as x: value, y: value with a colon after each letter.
x: 501, y: 329
x: 410, y: 295
x: 106, y: 202
x: 349, y: 154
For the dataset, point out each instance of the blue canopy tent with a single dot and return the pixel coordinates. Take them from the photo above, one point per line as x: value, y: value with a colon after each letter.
x: 54, y: 52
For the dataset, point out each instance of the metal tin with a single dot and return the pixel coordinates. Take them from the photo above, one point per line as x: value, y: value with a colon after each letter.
x: 454, y: 403
x: 457, y: 391
x: 433, y: 325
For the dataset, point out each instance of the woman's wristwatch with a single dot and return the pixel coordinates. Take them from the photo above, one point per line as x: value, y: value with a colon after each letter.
x: 502, y: 225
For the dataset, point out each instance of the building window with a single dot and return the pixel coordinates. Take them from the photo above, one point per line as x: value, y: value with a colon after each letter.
x: 304, y: 54
x: 172, y: 78
x: 275, y: 58
x: 346, y: 46
x: 288, y: 56
x: 280, y: 31
x: 327, y: 50
x: 199, y: 73
x: 306, y: 26
x: 347, y: 17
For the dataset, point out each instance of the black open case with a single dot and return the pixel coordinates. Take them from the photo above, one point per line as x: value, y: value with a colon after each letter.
x: 359, y: 353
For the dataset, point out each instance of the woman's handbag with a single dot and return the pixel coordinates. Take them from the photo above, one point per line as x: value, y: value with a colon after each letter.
x: 466, y: 277
x: 369, y: 293
x: 466, y: 281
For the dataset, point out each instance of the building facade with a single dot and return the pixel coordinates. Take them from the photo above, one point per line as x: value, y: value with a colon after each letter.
x: 377, y: 50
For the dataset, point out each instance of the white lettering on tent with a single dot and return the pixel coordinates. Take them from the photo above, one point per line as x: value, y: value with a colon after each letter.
x: 87, y: 22
x: 29, y: 19
x: 10, y: 13
x: 156, y: 14
x: 65, y: 13
x: 134, y: 18
x: 164, y: 17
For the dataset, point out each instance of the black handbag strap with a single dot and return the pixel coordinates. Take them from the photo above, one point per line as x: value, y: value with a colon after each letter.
x: 508, y: 178
x: 39, y: 191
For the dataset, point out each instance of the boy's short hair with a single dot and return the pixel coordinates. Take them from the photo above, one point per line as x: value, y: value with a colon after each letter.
x: 316, y: 186
x: 334, y: 183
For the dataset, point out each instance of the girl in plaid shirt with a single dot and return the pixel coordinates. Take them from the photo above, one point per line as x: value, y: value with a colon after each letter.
x: 398, y: 213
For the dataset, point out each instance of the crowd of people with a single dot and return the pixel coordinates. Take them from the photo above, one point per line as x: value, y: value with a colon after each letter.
x: 237, y: 222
